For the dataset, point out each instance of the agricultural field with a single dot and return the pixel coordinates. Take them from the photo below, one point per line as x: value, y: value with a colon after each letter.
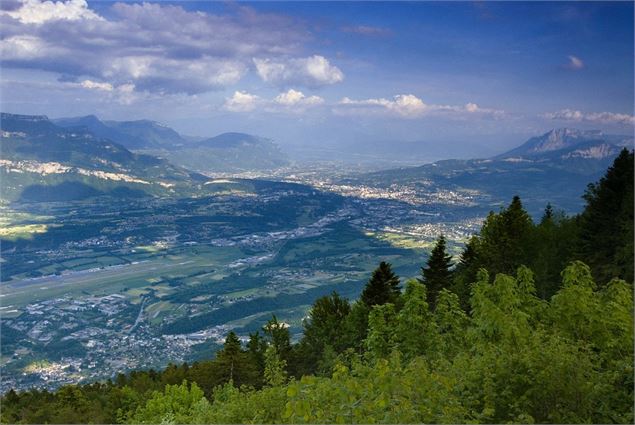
x: 108, y: 286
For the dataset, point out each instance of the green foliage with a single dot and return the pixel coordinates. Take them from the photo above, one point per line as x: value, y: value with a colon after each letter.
x: 516, y: 358
x: 173, y: 405
x: 380, y: 341
x: 275, y: 373
x: 383, y: 287
x: 601, y: 236
x: 324, y: 335
x: 415, y: 331
x: 503, y: 343
x: 437, y: 274
x: 609, y: 252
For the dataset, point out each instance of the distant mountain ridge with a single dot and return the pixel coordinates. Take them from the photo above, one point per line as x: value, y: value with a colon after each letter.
x: 227, y: 152
x: 42, y: 161
x: 553, y: 167
x: 140, y: 134
x: 566, y: 143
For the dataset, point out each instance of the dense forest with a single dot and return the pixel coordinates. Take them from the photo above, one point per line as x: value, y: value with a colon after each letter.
x: 533, y: 324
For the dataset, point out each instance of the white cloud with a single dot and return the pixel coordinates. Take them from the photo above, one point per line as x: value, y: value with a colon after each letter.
x: 124, y: 94
x: 161, y: 48
x: 88, y: 84
x: 312, y: 71
x: 242, y: 101
x: 406, y: 105
x: 23, y: 47
x: 37, y: 12
x: 291, y: 101
x: 471, y: 107
x: 575, y: 62
x: 410, y: 106
x: 295, y: 97
x: 592, y: 117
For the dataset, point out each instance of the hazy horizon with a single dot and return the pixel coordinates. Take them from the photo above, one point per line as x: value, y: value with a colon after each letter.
x: 474, y: 79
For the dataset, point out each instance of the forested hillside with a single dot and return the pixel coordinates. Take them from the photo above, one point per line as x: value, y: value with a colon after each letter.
x: 533, y: 324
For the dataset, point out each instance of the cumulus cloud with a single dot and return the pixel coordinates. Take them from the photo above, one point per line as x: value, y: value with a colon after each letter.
x: 289, y: 101
x: 160, y: 48
x: 295, y: 98
x: 88, y: 84
x: 592, y: 117
x: 312, y: 71
x: 242, y: 101
x: 574, y: 63
x: 409, y: 106
x: 37, y: 12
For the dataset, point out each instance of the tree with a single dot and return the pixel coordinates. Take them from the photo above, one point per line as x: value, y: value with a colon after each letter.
x: 606, y: 224
x: 437, y: 274
x: 230, y: 353
x: 256, y: 347
x: 278, y: 334
x: 380, y: 340
x: 465, y: 272
x: 233, y: 364
x: 383, y: 287
x: 174, y: 405
x: 415, y: 332
x: 323, y: 331
x: 275, y: 367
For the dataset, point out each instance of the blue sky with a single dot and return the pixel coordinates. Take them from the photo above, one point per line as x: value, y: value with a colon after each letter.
x: 473, y: 77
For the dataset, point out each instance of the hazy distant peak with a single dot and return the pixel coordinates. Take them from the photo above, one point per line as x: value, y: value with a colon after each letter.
x: 561, y: 139
x: 233, y: 140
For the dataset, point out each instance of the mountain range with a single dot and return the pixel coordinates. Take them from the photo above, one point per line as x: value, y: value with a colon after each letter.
x: 227, y: 152
x: 553, y: 167
x: 42, y: 161
x: 568, y: 143
x: 75, y: 158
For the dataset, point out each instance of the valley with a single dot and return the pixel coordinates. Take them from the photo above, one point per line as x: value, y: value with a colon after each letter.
x: 114, y: 260
x: 94, y: 288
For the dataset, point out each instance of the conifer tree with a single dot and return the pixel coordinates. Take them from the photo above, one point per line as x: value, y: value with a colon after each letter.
x: 506, y: 239
x: 278, y: 333
x: 437, y: 274
x: 464, y: 274
x: 383, y: 286
x: 609, y: 251
x: 234, y: 364
x: 256, y: 347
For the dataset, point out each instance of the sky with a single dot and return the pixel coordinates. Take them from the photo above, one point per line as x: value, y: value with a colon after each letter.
x: 466, y: 78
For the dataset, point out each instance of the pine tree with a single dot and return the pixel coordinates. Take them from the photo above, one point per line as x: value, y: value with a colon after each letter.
x: 383, y: 286
x: 465, y: 272
x: 548, y: 214
x: 437, y: 274
x: 506, y: 239
x: 278, y: 335
x: 228, y: 356
x: 233, y: 364
x: 606, y: 225
x: 256, y: 347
